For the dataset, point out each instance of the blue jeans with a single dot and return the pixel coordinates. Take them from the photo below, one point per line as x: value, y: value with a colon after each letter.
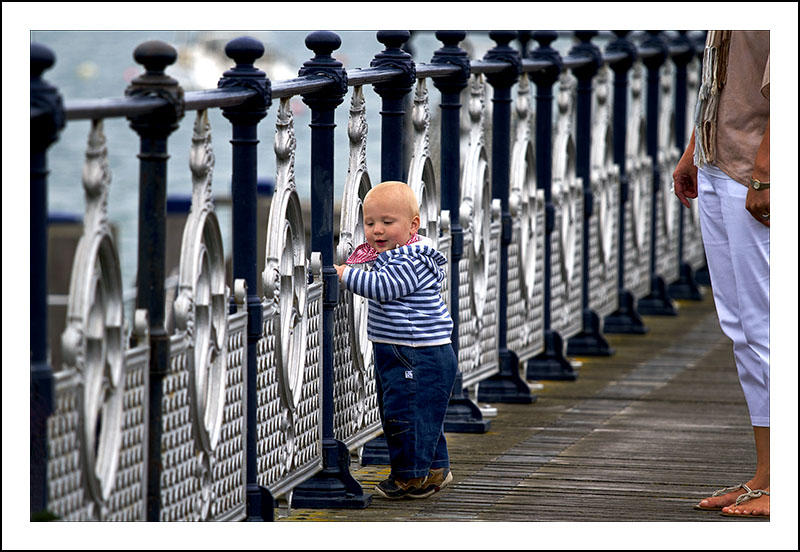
x: 414, y: 386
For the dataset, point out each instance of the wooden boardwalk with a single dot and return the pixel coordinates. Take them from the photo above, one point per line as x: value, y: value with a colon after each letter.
x: 640, y: 436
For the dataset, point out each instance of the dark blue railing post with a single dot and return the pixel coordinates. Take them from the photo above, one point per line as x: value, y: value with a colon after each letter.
x: 463, y: 415
x: 153, y: 129
x: 626, y: 318
x: 686, y: 286
x: 590, y: 341
x: 244, y: 119
x: 507, y: 386
x: 334, y: 487
x: 658, y: 302
x: 47, y: 120
x: 395, y: 95
x: 551, y: 363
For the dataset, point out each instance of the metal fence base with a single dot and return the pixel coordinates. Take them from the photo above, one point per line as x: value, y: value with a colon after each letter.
x: 658, y: 303
x: 686, y: 287
x: 375, y: 452
x: 590, y: 342
x: 507, y: 386
x: 260, y: 504
x: 334, y: 486
x: 464, y: 416
x: 626, y: 319
x: 551, y: 364
x: 702, y: 277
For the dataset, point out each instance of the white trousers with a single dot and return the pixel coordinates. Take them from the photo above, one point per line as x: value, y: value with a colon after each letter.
x: 737, y: 250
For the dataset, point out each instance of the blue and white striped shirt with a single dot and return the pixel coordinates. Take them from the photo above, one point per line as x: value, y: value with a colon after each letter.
x: 405, y: 292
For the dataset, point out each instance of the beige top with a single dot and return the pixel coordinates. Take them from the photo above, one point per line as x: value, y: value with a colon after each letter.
x: 743, y: 109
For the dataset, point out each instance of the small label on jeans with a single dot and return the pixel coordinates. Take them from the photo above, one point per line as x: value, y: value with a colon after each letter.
x: 409, y: 374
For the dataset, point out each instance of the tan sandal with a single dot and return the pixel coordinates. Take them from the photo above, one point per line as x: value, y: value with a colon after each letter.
x: 723, y: 492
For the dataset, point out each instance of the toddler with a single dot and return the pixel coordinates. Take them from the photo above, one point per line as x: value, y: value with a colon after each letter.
x: 408, y: 323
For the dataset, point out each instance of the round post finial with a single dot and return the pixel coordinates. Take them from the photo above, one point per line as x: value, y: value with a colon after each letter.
x: 42, y: 59
x: 504, y: 53
x: 545, y: 38
x: 544, y: 52
x: 323, y: 43
x: 393, y: 39
x: 450, y: 38
x: 452, y: 54
x: 47, y: 110
x: 155, y: 55
x: 394, y: 57
x: 586, y: 48
x: 524, y: 38
x: 503, y: 38
x: 244, y: 51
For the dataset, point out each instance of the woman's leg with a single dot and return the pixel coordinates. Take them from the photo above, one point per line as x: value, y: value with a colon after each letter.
x: 737, y: 250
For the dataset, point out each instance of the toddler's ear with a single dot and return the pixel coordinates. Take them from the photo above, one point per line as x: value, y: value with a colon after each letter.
x: 415, y: 224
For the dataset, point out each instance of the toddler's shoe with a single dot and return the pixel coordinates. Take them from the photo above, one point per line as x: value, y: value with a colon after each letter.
x: 438, y: 479
x: 397, y: 488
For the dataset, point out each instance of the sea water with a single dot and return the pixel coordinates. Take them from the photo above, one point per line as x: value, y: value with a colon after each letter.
x: 100, y: 64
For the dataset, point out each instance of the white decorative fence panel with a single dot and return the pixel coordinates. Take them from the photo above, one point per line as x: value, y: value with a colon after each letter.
x: 479, y: 267
x: 604, y: 221
x: 566, y: 277
x: 356, y: 413
x: 639, y: 205
x: 97, y: 434
x: 289, y: 353
x: 667, y: 204
x: 525, y: 334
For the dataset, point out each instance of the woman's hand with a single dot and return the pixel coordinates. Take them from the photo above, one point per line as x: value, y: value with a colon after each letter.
x: 685, y: 175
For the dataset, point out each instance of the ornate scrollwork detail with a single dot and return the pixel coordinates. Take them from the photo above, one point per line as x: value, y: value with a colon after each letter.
x: 421, y: 176
x: 476, y: 197
x: 93, y: 341
x: 202, y: 303
x: 604, y: 173
x: 668, y: 153
x: 636, y: 158
x: 522, y: 196
x: 285, y: 279
x: 565, y: 185
x: 356, y: 187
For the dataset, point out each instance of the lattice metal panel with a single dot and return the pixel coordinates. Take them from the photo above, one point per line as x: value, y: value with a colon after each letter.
x: 604, y: 221
x: 639, y: 205
x: 356, y: 415
x: 488, y: 328
x: 478, y: 268
x: 128, y: 499
x: 289, y: 355
x: 667, y: 204
x: 67, y: 496
x: 180, y: 488
x: 445, y: 241
x: 230, y: 470
x: 525, y: 330
x: 97, y: 433
x: 566, y: 277
x: 693, y: 252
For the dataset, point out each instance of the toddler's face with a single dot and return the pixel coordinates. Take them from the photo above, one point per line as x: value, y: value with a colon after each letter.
x: 388, y: 222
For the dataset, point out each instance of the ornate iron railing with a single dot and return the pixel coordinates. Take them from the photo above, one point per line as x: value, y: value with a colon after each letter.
x: 556, y: 217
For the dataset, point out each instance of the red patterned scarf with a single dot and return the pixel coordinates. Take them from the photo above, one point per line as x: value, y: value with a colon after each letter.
x: 365, y: 253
